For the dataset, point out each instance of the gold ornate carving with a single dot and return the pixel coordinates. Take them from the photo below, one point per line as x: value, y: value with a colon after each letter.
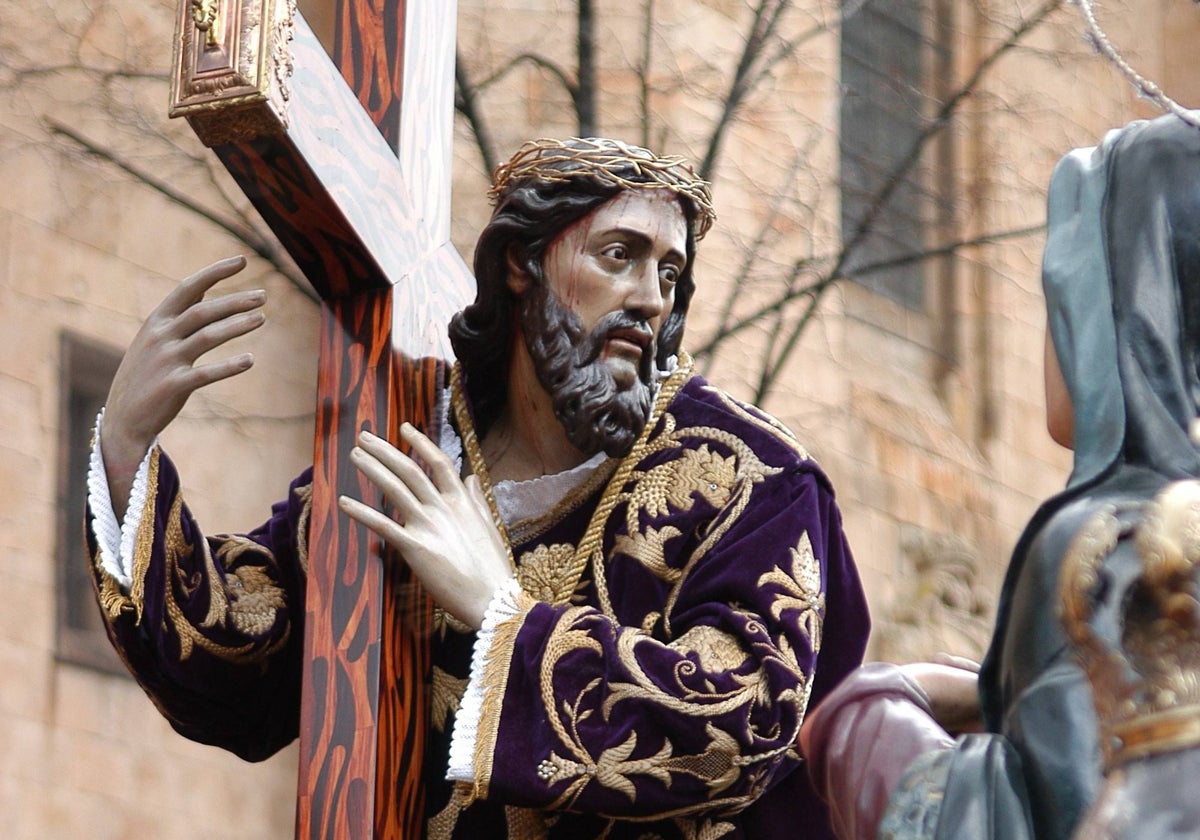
x: 204, y: 16
x: 231, y: 67
x: 1131, y: 605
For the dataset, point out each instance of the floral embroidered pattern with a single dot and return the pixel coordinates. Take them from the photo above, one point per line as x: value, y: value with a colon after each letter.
x: 254, y: 598
x: 262, y: 601
x: 649, y: 549
x: 672, y: 485
x: 543, y: 572
x: 800, y: 590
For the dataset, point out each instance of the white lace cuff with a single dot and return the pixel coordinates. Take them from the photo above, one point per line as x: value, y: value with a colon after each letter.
x: 115, y: 539
x: 503, y: 607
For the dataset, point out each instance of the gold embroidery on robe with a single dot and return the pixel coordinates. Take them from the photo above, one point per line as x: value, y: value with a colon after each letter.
x: 495, y: 678
x: 144, y: 541
x: 447, y: 694
x: 543, y: 572
x: 716, y: 650
x: 649, y: 549
x: 802, y: 586
x: 175, y: 547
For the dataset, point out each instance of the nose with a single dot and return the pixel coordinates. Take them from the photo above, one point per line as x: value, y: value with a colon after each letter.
x: 645, y: 297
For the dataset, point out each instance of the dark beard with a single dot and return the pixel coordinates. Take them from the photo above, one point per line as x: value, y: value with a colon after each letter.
x: 596, y: 412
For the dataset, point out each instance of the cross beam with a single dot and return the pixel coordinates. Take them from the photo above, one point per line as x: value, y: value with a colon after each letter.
x: 354, y: 181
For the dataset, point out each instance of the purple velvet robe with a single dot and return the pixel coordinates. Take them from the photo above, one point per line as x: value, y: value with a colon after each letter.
x: 656, y: 691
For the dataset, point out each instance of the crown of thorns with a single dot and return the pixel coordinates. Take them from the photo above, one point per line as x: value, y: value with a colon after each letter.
x: 609, y: 162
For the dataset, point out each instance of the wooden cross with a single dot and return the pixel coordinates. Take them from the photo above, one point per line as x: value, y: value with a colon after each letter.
x: 348, y: 161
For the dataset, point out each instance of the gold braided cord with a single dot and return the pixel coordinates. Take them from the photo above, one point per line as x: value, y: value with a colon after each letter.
x: 470, y: 441
x: 604, y: 161
x: 594, y: 535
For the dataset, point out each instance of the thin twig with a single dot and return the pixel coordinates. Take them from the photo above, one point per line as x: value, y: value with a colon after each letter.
x: 819, y: 286
x: 762, y: 26
x: 246, y: 235
x: 941, y: 119
x: 466, y: 102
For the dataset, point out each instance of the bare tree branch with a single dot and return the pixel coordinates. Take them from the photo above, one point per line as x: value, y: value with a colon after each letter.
x: 643, y: 72
x: 827, y: 279
x: 466, y: 102
x: 938, y: 123
x: 260, y: 245
x: 585, y: 75
x: 774, y: 363
x: 763, y: 26
x: 541, y: 62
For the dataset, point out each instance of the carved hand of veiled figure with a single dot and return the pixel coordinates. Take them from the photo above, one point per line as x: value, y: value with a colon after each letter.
x: 952, y: 684
x: 443, y: 527
x: 159, y: 371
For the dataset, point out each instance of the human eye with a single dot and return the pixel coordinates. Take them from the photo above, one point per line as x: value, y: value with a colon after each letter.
x: 615, y: 251
x: 668, y: 274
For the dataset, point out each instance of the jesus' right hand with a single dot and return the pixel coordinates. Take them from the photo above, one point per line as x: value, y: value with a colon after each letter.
x: 159, y: 371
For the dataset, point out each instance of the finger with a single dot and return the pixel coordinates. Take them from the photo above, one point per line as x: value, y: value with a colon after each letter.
x: 201, y: 375
x: 382, y: 525
x: 445, y: 476
x: 401, y: 465
x: 219, y: 333
x: 953, y: 661
x: 476, y: 495
x: 385, y: 479
x: 205, y: 313
x: 193, y: 287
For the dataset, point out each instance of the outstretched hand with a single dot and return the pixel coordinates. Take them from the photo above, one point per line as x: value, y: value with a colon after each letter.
x: 159, y: 370
x: 443, y: 527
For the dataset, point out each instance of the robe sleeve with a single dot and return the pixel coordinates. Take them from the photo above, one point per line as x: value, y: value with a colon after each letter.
x: 700, y: 711
x: 211, y: 628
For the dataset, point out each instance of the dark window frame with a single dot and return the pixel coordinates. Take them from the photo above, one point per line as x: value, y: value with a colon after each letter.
x: 885, y: 55
x: 87, y: 367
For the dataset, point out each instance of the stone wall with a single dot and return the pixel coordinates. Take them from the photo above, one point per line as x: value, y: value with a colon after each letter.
x: 937, y: 466
x: 86, y: 251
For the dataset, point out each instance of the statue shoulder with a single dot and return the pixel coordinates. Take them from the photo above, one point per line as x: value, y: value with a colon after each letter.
x: 702, y: 405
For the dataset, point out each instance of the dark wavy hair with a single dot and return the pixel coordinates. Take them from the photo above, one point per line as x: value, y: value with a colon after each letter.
x: 528, y: 217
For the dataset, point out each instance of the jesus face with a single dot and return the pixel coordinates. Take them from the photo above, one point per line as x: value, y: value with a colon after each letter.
x: 625, y: 256
x: 591, y: 330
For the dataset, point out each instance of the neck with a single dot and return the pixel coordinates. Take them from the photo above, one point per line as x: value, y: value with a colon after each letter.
x: 527, y: 440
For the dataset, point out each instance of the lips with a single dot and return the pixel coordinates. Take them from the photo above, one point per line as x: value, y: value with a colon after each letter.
x: 633, y: 339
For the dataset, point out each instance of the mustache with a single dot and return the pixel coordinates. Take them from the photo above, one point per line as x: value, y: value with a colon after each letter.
x: 592, y: 344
